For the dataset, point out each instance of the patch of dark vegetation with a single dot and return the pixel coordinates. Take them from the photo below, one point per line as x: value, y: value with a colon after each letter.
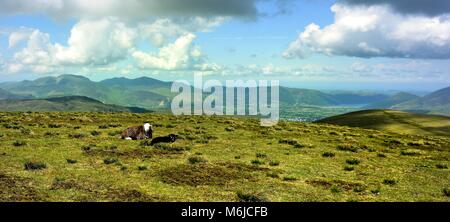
x: 375, y: 191
x: 327, y: 184
x: 51, y: 134
x: 359, y: 189
x: 26, y: 131
x: 97, y: 192
x: 416, y: 143
x: 393, y: 142
x: 272, y: 174
x: 274, y: 163
x: 348, y: 148
x: 19, y: 143
x: 77, y: 135
x: 261, y: 155
x: 389, y: 182
x: 250, y: 197
x: 441, y: 166
x: 382, y: 155
x: 88, y: 148
x: 328, y: 154
x: 257, y: 162
x: 353, y: 161
x: 95, y: 133
x: 288, y: 141
x: 110, y: 160
x: 17, y: 189
x: 142, y: 168
x: 54, y: 126
x: 289, y: 178
x: 335, y: 189
x: 349, y: 168
x: 30, y: 165
x: 206, y: 174
x: 410, y: 153
x: 196, y: 160
x: 446, y: 191
x: 71, y: 161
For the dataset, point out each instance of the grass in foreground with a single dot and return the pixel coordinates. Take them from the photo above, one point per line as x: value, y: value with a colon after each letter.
x: 57, y: 157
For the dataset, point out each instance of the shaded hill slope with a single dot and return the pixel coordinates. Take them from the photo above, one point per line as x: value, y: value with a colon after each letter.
x: 393, y: 121
x: 68, y: 103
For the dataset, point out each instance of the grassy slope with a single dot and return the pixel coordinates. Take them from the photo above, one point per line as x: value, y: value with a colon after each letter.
x: 232, y: 148
x: 394, y: 121
x: 67, y: 103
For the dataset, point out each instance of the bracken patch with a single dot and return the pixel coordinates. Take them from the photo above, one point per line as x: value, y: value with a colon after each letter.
x: 17, y: 189
x: 204, y: 174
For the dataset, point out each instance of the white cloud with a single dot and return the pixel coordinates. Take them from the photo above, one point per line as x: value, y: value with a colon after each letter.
x: 375, y: 31
x: 181, y: 54
x: 18, y: 36
x: 96, y: 42
x: 106, y: 41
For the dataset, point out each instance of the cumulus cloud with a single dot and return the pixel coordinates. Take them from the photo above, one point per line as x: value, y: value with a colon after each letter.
x: 173, y: 56
x: 96, y: 42
x: 106, y: 41
x: 135, y: 9
x: 375, y: 31
x: 427, y: 7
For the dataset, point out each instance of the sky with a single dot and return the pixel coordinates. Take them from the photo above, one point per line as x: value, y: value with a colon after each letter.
x: 321, y: 44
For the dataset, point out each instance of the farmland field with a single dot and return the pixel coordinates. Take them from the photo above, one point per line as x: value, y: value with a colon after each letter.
x: 61, y: 156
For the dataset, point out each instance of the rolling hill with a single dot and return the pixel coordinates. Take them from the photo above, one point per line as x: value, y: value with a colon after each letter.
x: 293, y: 96
x: 68, y: 103
x: 393, y: 121
x: 389, y: 102
x: 434, y: 103
x: 154, y: 94
x: 8, y: 95
x: 142, y: 92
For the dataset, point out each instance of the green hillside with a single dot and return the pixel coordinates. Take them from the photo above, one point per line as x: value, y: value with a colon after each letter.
x: 293, y: 96
x: 393, y: 121
x: 68, y: 103
x: 80, y: 157
x: 434, y: 103
x: 8, y: 95
x: 391, y: 101
x: 141, y: 92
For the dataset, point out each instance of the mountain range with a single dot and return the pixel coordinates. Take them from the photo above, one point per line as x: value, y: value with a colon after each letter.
x: 150, y: 93
x: 66, y: 103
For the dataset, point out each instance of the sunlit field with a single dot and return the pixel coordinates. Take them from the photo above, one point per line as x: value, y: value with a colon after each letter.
x: 61, y: 156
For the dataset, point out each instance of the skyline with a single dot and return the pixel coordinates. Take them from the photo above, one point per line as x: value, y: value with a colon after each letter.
x: 325, y: 44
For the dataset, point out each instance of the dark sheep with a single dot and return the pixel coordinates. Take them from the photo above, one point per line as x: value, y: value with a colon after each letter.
x: 164, y: 139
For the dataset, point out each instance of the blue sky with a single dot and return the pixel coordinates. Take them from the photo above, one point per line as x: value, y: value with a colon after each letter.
x: 324, y: 44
